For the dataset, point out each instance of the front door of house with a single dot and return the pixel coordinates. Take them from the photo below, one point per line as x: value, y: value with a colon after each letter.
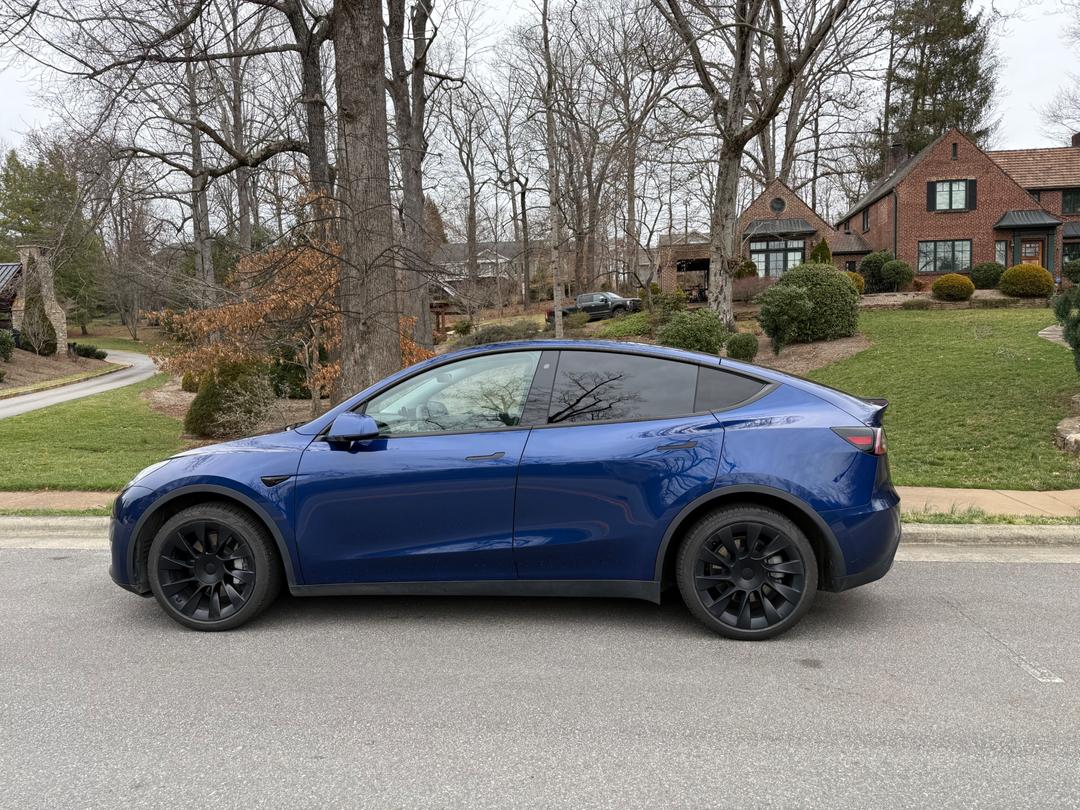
x: 1031, y: 251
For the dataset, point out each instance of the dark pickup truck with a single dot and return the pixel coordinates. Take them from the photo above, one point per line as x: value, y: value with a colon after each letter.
x: 599, y: 306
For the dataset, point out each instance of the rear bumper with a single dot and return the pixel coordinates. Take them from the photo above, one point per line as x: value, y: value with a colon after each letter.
x: 868, y: 540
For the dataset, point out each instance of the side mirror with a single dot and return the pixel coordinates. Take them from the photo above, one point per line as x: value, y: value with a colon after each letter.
x: 353, y: 427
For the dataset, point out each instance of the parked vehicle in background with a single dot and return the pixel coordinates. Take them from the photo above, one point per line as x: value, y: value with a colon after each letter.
x: 544, y: 468
x: 599, y: 306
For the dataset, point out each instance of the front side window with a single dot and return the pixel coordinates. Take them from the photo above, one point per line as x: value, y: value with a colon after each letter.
x: 949, y: 195
x: 605, y: 386
x: 1070, y: 201
x: 953, y: 256
x: 1001, y: 252
x: 480, y: 393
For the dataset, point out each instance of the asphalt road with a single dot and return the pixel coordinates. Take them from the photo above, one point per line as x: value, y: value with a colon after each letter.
x: 140, y: 368
x: 946, y: 684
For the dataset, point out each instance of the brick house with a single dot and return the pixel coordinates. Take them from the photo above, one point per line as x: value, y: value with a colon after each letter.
x: 954, y: 205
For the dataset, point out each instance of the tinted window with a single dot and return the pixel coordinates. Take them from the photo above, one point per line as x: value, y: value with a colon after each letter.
x: 480, y: 393
x: 718, y: 389
x: 601, y: 386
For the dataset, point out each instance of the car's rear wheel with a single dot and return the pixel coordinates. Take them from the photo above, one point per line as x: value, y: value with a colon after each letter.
x: 213, y: 567
x: 747, y: 572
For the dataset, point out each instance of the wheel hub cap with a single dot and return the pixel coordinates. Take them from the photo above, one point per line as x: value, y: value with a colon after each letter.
x: 206, y: 571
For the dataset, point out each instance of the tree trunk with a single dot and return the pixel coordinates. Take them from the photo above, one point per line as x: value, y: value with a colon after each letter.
x: 525, y: 255
x: 722, y: 236
x: 555, y: 217
x: 370, y: 333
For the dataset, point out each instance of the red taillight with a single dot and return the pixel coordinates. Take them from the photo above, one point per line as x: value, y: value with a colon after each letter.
x: 868, y: 439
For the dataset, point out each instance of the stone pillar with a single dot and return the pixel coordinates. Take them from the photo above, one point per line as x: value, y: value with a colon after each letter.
x: 35, y: 259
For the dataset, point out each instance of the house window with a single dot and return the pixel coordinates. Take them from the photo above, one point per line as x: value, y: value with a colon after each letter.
x: 952, y: 256
x: 948, y: 195
x: 1070, y: 252
x: 777, y: 256
x: 850, y: 265
x: 955, y: 150
x: 1037, y: 195
x: 1001, y: 252
x: 847, y: 226
x: 866, y: 220
x: 1070, y: 201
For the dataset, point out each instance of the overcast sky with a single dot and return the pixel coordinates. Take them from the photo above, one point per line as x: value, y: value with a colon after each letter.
x: 1034, y: 64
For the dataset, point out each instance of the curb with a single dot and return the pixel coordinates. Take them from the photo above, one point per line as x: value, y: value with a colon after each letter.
x: 52, y: 386
x: 989, y: 534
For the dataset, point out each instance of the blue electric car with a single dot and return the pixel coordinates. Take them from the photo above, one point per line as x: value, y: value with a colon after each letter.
x: 556, y: 468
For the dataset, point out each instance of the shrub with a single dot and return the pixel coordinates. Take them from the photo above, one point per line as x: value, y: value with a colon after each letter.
x: 742, y: 346
x: 744, y: 268
x: 232, y: 400
x: 37, y: 333
x: 2, y: 375
x: 1067, y: 312
x: 821, y: 254
x: 870, y: 269
x: 952, y: 287
x: 1027, y: 281
x: 896, y: 275
x: 665, y: 305
x: 1071, y: 271
x: 87, y: 350
x: 575, y: 320
x: 986, y: 275
x: 834, y: 302
x: 784, y: 314
x: 915, y: 303
x: 7, y: 345
x: 749, y: 288
x: 636, y: 324
x: 463, y: 327
x: 515, y: 330
x: 857, y: 280
x: 189, y: 383
x: 699, y: 330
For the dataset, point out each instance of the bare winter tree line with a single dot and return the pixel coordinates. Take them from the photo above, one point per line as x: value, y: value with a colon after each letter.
x: 580, y: 132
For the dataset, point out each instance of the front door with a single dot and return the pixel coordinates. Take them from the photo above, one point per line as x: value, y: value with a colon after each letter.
x: 624, y: 450
x: 432, y: 499
x: 1031, y: 251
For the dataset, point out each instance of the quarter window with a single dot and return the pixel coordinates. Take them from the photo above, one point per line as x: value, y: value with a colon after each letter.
x: 1070, y: 201
x: 945, y: 256
x: 717, y: 390
x: 480, y: 393
x: 605, y: 386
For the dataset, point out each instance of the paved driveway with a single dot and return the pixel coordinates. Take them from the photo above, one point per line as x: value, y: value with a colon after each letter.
x: 141, y: 368
x: 946, y: 684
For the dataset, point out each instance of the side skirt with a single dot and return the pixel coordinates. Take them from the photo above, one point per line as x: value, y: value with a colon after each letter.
x: 610, y: 588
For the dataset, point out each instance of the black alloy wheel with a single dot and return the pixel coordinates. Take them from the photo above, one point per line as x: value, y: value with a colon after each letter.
x: 747, y: 572
x: 213, y: 567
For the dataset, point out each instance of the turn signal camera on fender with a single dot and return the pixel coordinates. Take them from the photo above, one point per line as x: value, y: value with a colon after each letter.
x: 557, y: 468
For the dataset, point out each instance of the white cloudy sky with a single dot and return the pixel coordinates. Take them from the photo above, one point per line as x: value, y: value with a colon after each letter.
x: 1034, y: 64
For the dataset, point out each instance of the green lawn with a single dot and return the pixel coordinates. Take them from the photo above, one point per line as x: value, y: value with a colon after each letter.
x: 94, y: 443
x: 974, y: 396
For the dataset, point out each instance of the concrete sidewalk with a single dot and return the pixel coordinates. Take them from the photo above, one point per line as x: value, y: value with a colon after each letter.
x: 1061, y: 503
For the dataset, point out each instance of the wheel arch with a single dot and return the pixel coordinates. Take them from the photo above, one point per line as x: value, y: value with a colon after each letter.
x: 179, y: 499
x: 831, y: 566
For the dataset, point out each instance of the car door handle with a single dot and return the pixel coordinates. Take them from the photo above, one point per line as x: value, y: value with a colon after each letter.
x: 489, y: 457
x: 690, y: 445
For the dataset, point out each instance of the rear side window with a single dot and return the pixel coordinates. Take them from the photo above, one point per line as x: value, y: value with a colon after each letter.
x: 717, y: 390
x: 603, y: 386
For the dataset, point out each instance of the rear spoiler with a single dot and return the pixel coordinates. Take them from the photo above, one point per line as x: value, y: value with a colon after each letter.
x: 875, y: 410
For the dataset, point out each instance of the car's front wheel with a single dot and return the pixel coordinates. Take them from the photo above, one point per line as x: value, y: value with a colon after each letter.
x: 213, y: 567
x: 747, y: 572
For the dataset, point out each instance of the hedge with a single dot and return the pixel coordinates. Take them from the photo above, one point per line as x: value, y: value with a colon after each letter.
x: 952, y: 287
x: 1027, y: 281
x: 986, y: 275
x: 699, y: 330
x: 784, y: 312
x: 834, y: 302
x: 742, y: 346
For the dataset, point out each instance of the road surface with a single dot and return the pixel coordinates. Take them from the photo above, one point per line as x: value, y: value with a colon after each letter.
x: 140, y: 368
x: 947, y: 684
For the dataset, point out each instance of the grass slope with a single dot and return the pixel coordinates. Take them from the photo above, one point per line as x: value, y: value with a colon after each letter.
x: 94, y: 443
x: 974, y: 396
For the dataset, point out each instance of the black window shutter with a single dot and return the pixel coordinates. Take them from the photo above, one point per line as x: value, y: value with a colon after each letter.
x: 931, y: 196
x: 971, y: 198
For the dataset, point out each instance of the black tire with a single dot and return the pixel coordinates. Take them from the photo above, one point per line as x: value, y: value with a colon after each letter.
x: 618, y: 311
x: 213, y: 567
x: 747, y: 572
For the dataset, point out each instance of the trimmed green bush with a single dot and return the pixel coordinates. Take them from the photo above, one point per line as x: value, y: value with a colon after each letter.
x: 636, y: 324
x: 1067, y: 311
x: 896, y: 275
x: 742, y: 346
x: 1071, y: 271
x: 744, y: 268
x: 575, y: 320
x: 665, y: 305
x: 698, y: 330
x: 232, y: 400
x: 87, y: 350
x: 1027, y: 281
x: 857, y: 280
x: 986, y: 275
x: 463, y: 327
x: 870, y: 269
x: 7, y: 345
x: 915, y: 303
x: 834, y: 301
x: 784, y: 314
x: 821, y: 254
x: 952, y: 287
x: 515, y: 330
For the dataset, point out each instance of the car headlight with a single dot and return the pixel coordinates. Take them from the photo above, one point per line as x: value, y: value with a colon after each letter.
x: 145, y: 472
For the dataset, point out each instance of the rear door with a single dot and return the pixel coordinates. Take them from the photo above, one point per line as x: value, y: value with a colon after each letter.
x: 625, y: 445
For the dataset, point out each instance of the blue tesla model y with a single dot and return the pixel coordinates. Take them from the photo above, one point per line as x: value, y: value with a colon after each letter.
x: 556, y: 468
